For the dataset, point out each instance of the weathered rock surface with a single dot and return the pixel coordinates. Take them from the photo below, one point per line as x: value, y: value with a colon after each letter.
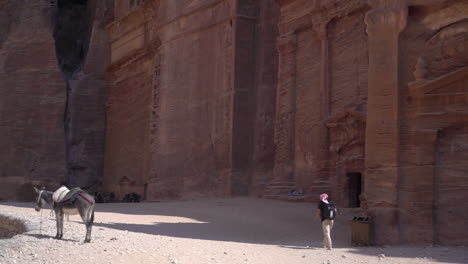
x: 363, y: 99
x: 87, y: 94
x: 54, y: 56
x: 32, y: 99
x: 390, y: 85
x: 183, y: 99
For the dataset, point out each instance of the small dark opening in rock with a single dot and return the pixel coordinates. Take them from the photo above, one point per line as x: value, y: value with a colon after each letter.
x: 354, y: 189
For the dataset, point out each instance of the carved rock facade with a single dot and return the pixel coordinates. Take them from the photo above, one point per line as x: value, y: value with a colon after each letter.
x: 361, y: 99
x: 192, y: 97
x: 379, y: 99
x: 364, y: 99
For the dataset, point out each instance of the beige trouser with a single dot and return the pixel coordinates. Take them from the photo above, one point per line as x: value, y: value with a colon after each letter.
x: 327, y: 226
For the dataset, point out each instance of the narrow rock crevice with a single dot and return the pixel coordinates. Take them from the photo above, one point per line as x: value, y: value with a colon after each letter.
x: 72, y: 30
x: 72, y: 33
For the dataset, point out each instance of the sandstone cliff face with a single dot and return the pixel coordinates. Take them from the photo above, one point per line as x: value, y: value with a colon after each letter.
x: 85, y: 71
x: 33, y: 95
x: 192, y: 64
x: 366, y: 100
x: 361, y: 99
x: 322, y: 94
x: 433, y: 124
x: 52, y: 85
x: 263, y: 153
x: 392, y: 85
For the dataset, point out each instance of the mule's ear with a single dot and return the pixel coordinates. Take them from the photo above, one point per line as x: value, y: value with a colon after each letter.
x: 35, y: 189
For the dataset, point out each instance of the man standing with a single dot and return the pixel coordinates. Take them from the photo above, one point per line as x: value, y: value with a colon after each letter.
x: 327, y: 212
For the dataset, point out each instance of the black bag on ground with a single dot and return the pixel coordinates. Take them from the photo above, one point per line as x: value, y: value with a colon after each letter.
x: 330, y: 211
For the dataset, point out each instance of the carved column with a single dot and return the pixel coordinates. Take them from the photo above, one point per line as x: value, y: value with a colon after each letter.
x: 382, y: 130
x: 285, y: 108
x: 321, y: 130
x: 322, y: 31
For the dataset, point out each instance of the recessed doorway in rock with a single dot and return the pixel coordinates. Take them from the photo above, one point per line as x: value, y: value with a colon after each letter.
x: 354, y: 189
x: 145, y: 192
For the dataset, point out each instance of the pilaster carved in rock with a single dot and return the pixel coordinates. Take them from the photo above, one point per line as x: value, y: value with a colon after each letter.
x: 285, y: 106
x: 321, y: 29
x: 384, y: 26
x: 322, y: 33
x: 387, y: 20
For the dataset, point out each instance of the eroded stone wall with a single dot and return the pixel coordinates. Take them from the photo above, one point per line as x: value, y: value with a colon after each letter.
x: 321, y: 98
x: 32, y: 98
x: 433, y: 133
x: 87, y: 87
x: 200, y: 60
x: 390, y: 77
x: 54, y: 56
x: 365, y: 100
x: 263, y: 154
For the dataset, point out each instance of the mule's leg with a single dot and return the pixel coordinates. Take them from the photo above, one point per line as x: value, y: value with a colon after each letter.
x: 59, y: 218
x: 87, y: 215
x: 89, y: 224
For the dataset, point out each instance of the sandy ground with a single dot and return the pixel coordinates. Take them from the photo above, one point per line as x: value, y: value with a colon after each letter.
x: 228, y: 231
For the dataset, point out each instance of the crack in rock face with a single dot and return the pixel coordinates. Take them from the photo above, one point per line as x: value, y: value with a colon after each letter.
x: 72, y: 36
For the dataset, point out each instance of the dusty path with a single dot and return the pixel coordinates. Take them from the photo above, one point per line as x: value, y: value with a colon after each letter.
x: 203, y: 231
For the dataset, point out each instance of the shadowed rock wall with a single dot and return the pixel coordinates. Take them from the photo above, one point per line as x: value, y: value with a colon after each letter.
x: 32, y: 98
x: 263, y: 154
x: 52, y: 68
x: 85, y: 71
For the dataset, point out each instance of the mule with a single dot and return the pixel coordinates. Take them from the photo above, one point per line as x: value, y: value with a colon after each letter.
x: 82, y: 206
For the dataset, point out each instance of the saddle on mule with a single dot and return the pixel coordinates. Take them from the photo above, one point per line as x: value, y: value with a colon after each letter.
x: 64, y: 196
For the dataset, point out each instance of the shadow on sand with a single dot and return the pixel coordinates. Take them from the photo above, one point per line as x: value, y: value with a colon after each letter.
x: 284, y: 224
x: 42, y: 236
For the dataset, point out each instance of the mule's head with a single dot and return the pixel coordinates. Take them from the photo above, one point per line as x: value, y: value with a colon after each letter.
x: 40, y: 201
